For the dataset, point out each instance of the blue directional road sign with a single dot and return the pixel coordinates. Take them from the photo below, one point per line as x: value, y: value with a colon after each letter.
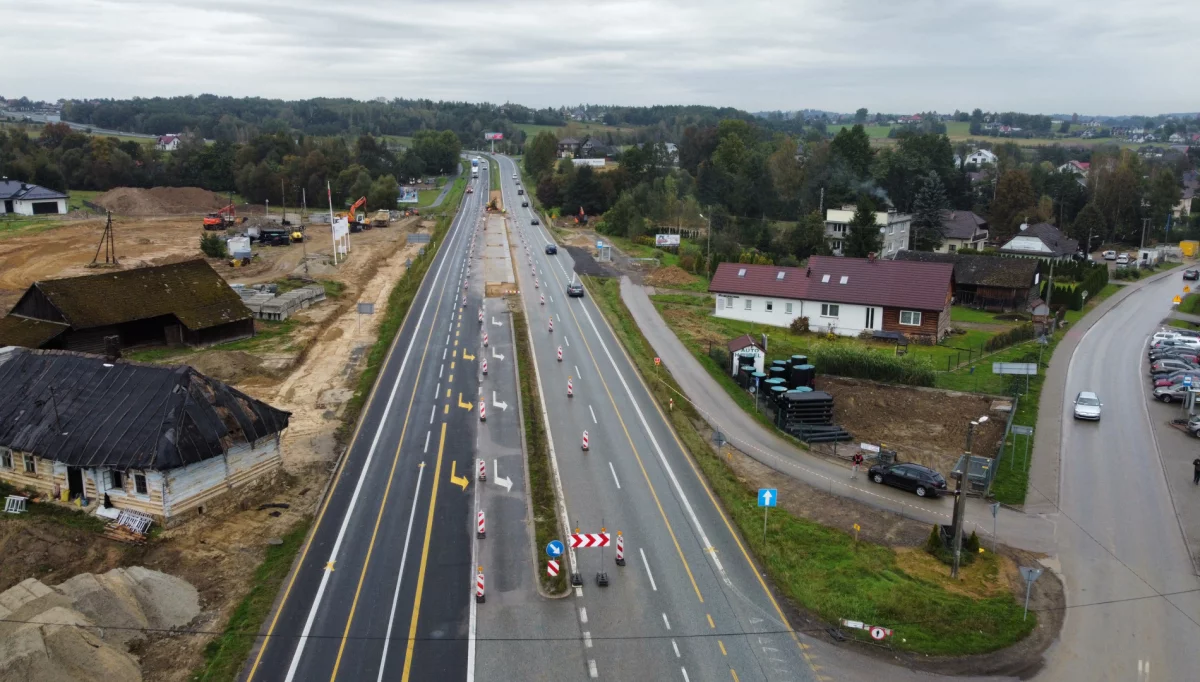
x: 1187, y: 381
x: 554, y: 549
x: 767, y: 497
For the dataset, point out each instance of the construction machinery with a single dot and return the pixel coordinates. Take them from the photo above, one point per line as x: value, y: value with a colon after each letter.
x: 221, y: 219
x: 383, y: 218
x: 355, y: 218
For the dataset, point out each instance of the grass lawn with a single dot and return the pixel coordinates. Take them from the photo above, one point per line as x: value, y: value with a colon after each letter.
x: 1189, y: 304
x: 873, y: 131
x: 426, y: 197
x: 532, y: 129
x: 78, y: 196
x: 25, y: 224
x: 960, y: 313
x: 823, y: 570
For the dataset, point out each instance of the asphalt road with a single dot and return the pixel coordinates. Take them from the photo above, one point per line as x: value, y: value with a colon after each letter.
x: 688, y: 604
x: 1133, y: 606
x: 382, y: 589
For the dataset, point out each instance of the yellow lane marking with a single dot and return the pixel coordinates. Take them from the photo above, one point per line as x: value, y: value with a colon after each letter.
x: 451, y: 379
x: 447, y: 393
x: 416, y: 609
x: 465, y: 406
x: 710, y: 621
x: 722, y: 645
x: 451, y: 364
x: 446, y: 410
x: 467, y: 356
x: 456, y: 479
x: 734, y: 674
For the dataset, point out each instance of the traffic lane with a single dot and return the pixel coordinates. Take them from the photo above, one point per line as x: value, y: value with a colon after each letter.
x: 370, y: 453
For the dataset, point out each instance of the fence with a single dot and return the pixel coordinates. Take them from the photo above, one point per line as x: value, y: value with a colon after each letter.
x: 995, y: 464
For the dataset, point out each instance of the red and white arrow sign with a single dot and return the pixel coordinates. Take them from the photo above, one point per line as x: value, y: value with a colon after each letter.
x: 589, y: 540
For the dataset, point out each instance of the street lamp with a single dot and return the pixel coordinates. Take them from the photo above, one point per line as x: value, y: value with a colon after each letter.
x: 960, y: 499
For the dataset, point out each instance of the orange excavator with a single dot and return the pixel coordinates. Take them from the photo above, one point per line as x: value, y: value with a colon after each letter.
x: 221, y: 219
x: 358, y: 220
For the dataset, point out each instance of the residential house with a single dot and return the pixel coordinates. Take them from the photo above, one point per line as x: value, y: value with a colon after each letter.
x: 673, y: 153
x: 568, y: 147
x: 982, y: 157
x: 168, y: 143
x: 1042, y: 240
x: 184, y: 303
x: 846, y: 296
x: 962, y: 230
x: 595, y: 149
x: 999, y: 283
x: 162, y: 441
x: 892, y: 225
x: 1176, y: 138
x: 1079, y: 168
x: 22, y: 198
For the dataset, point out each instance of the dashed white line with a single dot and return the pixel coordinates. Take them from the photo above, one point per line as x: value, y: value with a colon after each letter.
x: 552, y: 299
x: 592, y: 672
x: 583, y: 615
x: 427, y: 441
x: 432, y: 410
x: 685, y: 677
x: 437, y: 390
x: 587, y: 640
x: 567, y: 341
x: 399, y: 574
x: 444, y: 351
x: 614, y: 473
x: 593, y: 414
x: 665, y: 621
x: 440, y: 370
x: 650, y: 576
x: 447, y: 339
x: 559, y: 317
x: 577, y: 370
x: 676, y: 648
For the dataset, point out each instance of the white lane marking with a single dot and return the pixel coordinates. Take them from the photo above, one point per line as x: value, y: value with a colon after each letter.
x: 440, y: 370
x: 558, y: 316
x: 567, y: 341
x: 447, y: 339
x: 685, y: 677
x: 437, y: 391
x: 432, y: 410
x: 676, y: 648
x: 366, y: 468
x: 593, y: 414
x: 687, y: 505
x: 451, y: 325
x: 400, y: 574
x: 614, y: 473
x: 426, y: 442
x: 651, y: 577
x: 444, y: 351
x: 587, y: 639
x: 583, y: 615
x: 577, y: 371
x: 592, y: 672
x: 666, y: 622
x: 471, y: 618
x: 552, y: 299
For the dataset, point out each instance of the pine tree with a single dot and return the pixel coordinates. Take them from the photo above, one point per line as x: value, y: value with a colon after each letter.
x: 928, y: 232
x: 863, y: 237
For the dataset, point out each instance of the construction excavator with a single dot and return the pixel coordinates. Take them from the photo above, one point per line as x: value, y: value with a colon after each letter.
x: 358, y: 220
x: 221, y: 219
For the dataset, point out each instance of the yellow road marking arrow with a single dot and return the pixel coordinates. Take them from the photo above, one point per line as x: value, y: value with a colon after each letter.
x: 465, y: 406
x: 462, y: 481
x: 467, y: 357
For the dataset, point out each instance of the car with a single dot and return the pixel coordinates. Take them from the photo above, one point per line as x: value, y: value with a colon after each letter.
x: 922, y: 480
x: 1164, y: 336
x: 514, y: 176
x: 534, y: 221
x: 470, y: 190
x: 1087, y: 406
x: 1169, y: 394
x: 575, y: 289
x: 1186, y: 342
x: 552, y: 249
x: 1122, y: 259
x: 1191, y: 274
x: 1175, y: 378
x: 1110, y: 255
x: 1172, y: 365
x: 524, y: 204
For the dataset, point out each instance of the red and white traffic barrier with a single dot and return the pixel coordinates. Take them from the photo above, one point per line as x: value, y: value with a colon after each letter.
x: 552, y: 324
x: 620, y: 543
x: 535, y: 282
x: 464, y: 303
x: 482, y: 410
x: 551, y: 568
x: 481, y: 316
x: 543, y: 299
x: 481, y: 530
x: 484, y: 367
x: 482, y: 470
x: 479, y: 595
x: 570, y: 388
x: 485, y: 340
x: 560, y: 353
x: 585, y: 440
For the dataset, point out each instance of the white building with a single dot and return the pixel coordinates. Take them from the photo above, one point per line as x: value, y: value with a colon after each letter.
x: 24, y: 199
x: 893, y: 226
x: 982, y: 157
x: 168, y: 143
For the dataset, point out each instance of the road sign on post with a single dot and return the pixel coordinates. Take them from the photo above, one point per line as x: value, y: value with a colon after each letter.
x: 1030, y: 575
x: 767, y: 498
x: 554, y: 549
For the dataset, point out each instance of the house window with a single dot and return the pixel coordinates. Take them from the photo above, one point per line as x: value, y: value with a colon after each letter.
x: 748, y: 304
x: 911, y: 318
x: 720, y: 302
x: 787, y: 308
x: 837, y: 245
x: 952, y: 248
x: 5, y: 458
x: 116, y: 480
x: 139, y: 484
x: 30, y: 465
x: 829, y: 310
x: 770, y: 306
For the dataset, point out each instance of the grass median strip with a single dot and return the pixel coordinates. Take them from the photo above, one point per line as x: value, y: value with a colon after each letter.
x: 541, y: 479
x: 823, y: 570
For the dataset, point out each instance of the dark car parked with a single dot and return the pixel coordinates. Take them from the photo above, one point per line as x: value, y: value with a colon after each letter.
x: 922, y: 480
x: 1191, y: 274
x: 534, y: 221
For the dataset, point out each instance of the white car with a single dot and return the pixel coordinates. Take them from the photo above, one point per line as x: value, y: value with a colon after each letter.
x: 1087, y: 406
x: 1110, y: 255
x: 1122, y: 259
x: 1163, y: 336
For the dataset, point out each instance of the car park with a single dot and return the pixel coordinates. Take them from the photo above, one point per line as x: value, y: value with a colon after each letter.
x: 1191, y: 274
x: 552, y: 249
x: 1170, y: 394
x: 1087, y: 406
x: 1164, y: 336
x: 922, y: 480
x: 1175, y: 378
x: 575, y: 289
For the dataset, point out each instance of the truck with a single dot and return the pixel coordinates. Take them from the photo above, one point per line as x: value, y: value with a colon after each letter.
x: 382, y: 218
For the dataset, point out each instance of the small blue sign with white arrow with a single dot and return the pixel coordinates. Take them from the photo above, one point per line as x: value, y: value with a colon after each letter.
x: 767, y: 497
x: 554, y: 549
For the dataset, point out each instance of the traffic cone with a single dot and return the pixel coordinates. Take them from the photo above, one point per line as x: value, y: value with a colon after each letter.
x: 560, y: 353
x: 479, y: 596
x: 535, y: 282
x: 620, y: 542
x: 484, y: 367
x: 570, y: 388
x: 482, y: 470
x: 482, y: 411
x: 481, y: 532
x: 585, y: 441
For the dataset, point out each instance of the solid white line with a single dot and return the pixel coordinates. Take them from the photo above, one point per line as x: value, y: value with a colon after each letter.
x: 583, y: 615
x: 400, y: 574
x: 614, y: 473
x: 592, y: 672
x: 471, y: 618
x: 366, y: 468
x: 593, y: 414
x: 651, y: 577
x: 685, y: 677
x: 426, y: 441
x: 666, y: 622
x: 676, y: 648
x: 587, y: 640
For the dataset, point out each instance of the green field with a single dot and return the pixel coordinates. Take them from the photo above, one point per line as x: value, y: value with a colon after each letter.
x: 35, y: 130
x: 960, y: 131
x: 574, y: 128
x: 873, y: 132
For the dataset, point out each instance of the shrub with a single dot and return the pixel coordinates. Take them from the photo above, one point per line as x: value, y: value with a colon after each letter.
x: 864, y: 363
x: 799, y: 325
x: 688, y: 262
x: 1021, y: 332
x: 213, y: 246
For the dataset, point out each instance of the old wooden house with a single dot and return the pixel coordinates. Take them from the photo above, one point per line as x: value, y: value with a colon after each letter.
x: 164, y: 441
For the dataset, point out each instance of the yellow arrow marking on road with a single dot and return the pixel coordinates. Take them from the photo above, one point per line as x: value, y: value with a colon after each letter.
x: 465, y: 406
x: 461, y: 481
x: 466, y: 356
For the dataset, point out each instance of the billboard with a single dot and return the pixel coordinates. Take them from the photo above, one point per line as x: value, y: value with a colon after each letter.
x: 493, y: 136
x: 408, y: 195
x: 666, y: 240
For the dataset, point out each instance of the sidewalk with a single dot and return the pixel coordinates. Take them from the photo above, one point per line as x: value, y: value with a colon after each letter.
x: 764, y: 445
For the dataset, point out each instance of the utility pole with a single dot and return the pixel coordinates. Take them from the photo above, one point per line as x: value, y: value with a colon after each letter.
x: 960, y: 498
x: 1145, y: 224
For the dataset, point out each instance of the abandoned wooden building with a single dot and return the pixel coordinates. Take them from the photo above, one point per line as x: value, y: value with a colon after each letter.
x: 163, y: 441
x: 184, y: 303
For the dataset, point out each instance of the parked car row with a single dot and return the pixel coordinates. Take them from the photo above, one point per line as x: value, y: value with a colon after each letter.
x: 1174, y: 356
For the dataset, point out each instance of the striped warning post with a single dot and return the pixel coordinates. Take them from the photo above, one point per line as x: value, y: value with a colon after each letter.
x: 551, y: 568
x: 485, y: 340
x: 482, y: 410
x: 481, y: 316
x: 464, y: 303
x: 560, y: 353
x: 479, y: 595
x: 543, y: 299
x: 585, y: 440
x: 481, y: 531
x: 484, y: 368
x: 552, y: 324
x: 570, y: 388
x: 535, y: 282
x: 482, y: 470
x: 620, y: 544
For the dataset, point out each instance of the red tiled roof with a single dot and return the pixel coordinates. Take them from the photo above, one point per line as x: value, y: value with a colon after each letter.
x: 898, y: 284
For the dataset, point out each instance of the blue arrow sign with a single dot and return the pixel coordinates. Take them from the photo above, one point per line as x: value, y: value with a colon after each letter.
x: 767, y: 497
x: 1187, y: 381
x: 554, y: 549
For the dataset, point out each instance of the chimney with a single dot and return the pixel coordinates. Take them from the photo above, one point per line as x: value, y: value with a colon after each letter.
x: 809, y: 273
x: 871, y: 257
x: 112, y: 348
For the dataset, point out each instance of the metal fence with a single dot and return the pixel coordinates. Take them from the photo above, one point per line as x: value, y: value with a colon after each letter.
x: 999, y: 456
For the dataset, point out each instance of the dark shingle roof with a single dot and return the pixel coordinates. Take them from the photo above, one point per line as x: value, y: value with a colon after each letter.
x: 986, y: 271
x: 962, y: 224
x: 1058, y: 243
x: 893, y: 283
x: 80, y: 410
x: 20, y: 191
x: 24, y: 331
x: 191, y: 291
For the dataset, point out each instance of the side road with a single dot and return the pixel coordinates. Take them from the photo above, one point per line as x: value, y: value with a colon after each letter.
x: 1028, y: 532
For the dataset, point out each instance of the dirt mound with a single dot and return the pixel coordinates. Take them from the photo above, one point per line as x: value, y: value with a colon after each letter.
x: 134, y: 201
x: 670, y: 276
x: 230, y: 366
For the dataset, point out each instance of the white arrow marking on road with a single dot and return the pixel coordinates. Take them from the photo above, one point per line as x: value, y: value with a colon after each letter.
x: 498, y: 324
x: 506, y: 482
x: 497, y: 403
x: 495, y: 354
x: 767, y: 498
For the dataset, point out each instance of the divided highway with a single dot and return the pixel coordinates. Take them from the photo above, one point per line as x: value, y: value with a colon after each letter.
x: 689, y: 604
x: 382, y: 588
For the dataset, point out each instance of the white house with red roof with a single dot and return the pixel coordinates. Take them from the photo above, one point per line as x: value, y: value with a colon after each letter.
x: 1080, y: 168
x: 846, y: 296
x: 169, y: 142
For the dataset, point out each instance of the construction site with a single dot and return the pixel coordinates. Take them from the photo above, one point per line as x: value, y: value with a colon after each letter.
x: 309, y: 346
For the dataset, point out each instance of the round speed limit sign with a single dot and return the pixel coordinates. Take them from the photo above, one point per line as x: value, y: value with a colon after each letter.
x: 878, y: 633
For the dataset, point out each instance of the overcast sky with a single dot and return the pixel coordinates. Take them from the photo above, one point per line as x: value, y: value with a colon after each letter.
x: 1037, y: 56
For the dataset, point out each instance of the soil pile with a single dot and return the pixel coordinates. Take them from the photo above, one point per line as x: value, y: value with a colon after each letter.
x: 669, y: 277
x: 134, y: 201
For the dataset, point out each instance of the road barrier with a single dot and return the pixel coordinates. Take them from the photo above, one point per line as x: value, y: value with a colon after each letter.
x: 620, y: 545
x: 560, y: 353
x: 485, y: 340
x: 484, y: 368
x: 551, y: 568
x: 543, y: 299
x: 482, y: 470
x: 585, y: 440
x: 482, y: 410
x: 481, y: 530
x: 570, y: 388
x: 481, y: 316
x: 479, y: 595
x: 552, y: 324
